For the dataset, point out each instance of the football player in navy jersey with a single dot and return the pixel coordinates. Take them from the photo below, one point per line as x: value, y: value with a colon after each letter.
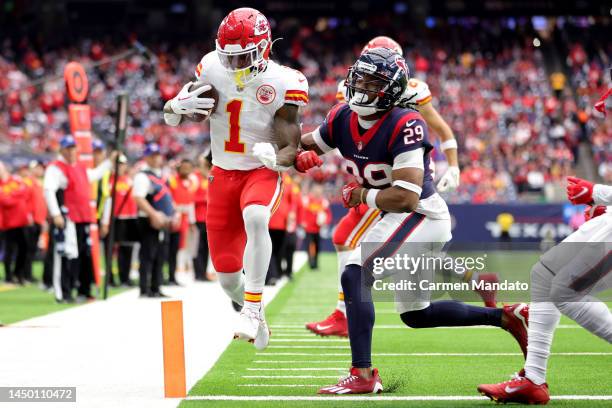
x: 387, y: 151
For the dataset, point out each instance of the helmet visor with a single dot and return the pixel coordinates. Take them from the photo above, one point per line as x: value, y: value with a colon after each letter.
x: 239, y: 60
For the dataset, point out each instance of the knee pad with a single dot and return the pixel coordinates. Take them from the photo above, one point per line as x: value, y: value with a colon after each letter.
x: 230, y: 281
x: 256, y: 218
x: 541, y: 281
x: 415, y: 318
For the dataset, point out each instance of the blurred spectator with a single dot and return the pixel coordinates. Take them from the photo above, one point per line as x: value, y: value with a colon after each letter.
x: 315, y: 214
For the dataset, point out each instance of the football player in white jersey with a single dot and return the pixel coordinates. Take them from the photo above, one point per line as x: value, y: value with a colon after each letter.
x: 255, y: 133
x: 564, y: 281
x: 359, y: 220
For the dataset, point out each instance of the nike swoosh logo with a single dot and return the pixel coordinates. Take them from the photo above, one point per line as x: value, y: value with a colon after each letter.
x: 319, y: 327
x: 182, y: 99
x: 301, y: 80
x: 583, y: 192
x: 511, y: 390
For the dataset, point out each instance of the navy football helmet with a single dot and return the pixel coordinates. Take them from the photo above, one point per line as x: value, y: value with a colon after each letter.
x: 380, y: 73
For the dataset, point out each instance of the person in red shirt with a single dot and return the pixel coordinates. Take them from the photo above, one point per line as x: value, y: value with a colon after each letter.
x: 295, y: 208
x: 16, y: 208
x: 200, y: 260
x: 126, y: 220
x: 32, y: 176
x: 315, y: 214
x: 277, y: 228
x: 183, y: 185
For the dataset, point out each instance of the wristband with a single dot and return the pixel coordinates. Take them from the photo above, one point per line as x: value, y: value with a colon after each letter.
x: 371, y: 197
x: 361, y: 196
x: 448, y: 144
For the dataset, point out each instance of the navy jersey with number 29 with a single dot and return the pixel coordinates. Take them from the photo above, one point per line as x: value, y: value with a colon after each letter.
x: 370, y: 154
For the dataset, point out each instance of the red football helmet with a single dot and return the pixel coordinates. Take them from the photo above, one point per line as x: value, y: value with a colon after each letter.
x: 384, y: 42
x: 243, y: 43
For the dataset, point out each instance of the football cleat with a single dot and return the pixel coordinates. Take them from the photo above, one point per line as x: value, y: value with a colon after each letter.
x: 354, y: 383
x: 519, y: 389
x: 488, y: 296
x: 247, y: 325
x: 334, y: 325
x: 263, y: 332
x: 517, y: 320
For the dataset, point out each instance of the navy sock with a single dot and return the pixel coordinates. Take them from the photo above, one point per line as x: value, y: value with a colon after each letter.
x: 359, y: 313
x: 452, y: 313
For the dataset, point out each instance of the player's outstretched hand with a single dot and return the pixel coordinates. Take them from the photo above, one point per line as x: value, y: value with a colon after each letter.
x: 188, y: 102
x: 349, y: 198
x: 306, y: 160
x: 593, y: 211
x: 579, y: 191
x: 449, y: 180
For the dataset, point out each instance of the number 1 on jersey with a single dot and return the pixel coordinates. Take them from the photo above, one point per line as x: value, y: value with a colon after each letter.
x: 234, y: 145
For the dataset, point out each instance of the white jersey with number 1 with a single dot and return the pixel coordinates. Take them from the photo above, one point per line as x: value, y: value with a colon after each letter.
x: 244, y: 116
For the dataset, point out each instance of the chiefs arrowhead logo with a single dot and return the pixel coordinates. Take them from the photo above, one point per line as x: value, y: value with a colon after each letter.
x: 266, y: 94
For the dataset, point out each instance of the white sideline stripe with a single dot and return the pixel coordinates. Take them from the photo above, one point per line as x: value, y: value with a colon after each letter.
x: 297, y: 369
x: 379, y: 398
x: 291, y: 376
x: 311, y: 340
x: 586, y: 353
x: 399, y: 326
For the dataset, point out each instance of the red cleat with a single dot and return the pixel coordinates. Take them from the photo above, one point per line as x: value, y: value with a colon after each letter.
x: 515, y: 320
x: 355, y: 384
x: 334, y: 325
x: 518, y: 389
x: 488, y: 295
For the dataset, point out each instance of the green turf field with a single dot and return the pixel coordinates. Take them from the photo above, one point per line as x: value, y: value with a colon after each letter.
x: 297, y: 363
x: 24, y: 302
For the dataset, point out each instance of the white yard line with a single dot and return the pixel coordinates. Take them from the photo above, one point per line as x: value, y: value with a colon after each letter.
x: 111, y: 351
x: 311, y: 340
x: 585, y: 353
x: 297, y: 361
x: 298, y: 369
x: 296, y: 327
x: 373, y: 399
x: 279, y: 385
x: 291, y: 376
x: 309, y: 347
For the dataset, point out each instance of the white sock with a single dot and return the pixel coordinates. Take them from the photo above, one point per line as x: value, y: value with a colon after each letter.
x: 543, y: 319
x: 233, y: 285
x: 591, y: 314
x: 257, y: 253
x: 342, y: 258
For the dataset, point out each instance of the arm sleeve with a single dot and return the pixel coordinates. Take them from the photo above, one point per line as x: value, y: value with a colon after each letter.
x: 141, y: 185
x: 602, y: 194
x: 54, y: 180
x: 97, y: 173
x: 296, y: 89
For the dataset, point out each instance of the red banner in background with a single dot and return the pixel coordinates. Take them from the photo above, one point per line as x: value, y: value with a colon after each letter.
x: 79, y: 113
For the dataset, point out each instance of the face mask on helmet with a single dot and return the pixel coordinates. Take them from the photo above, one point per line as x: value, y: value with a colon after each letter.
x: 363, y: 92
x: 243, y: 63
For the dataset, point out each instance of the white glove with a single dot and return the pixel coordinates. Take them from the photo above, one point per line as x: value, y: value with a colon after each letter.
x: 449, y: 180
x: 187, y: 102
x: 266, y: 153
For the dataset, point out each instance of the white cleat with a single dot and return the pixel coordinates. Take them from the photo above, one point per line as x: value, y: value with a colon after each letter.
x: 263, y: 332
x: 247, y: 325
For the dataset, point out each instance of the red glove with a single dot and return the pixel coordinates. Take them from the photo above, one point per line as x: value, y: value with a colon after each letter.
x: 579, y: 191
x: 306, y: 160
x: 347, y: 192
x: 593, y: 211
